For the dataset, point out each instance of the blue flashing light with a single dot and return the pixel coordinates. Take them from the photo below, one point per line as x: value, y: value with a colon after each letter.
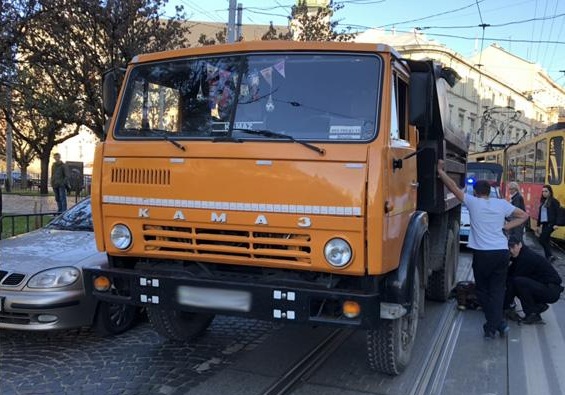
x: 470, y: 181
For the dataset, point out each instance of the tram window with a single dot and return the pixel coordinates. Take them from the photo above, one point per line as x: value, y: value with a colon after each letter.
x: 539, y: 172
x: 555, y: 165
x: 511, y: 173
x: 520, y: 168
x: 529, y: 163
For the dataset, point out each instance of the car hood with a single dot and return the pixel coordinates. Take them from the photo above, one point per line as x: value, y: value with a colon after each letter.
x: 45, y: 248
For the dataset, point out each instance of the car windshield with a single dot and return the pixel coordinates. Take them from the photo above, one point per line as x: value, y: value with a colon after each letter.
x: 316, y: 97
x: 78, y: 218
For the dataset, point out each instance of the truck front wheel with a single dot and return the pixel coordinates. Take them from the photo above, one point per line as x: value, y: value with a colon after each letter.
x: 178, y: 325
x: 389, y: 346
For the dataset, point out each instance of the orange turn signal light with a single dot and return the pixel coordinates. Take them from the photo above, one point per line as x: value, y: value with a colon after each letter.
x: 102, y: 283
x: 351, y: 309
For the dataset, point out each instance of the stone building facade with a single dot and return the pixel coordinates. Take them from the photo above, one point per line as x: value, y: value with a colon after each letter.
x: 500, y: 99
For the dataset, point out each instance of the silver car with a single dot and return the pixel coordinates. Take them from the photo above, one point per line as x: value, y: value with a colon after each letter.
x: 41, y: 282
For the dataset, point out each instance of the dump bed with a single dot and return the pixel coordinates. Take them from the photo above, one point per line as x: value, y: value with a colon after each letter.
x: 439, y: 139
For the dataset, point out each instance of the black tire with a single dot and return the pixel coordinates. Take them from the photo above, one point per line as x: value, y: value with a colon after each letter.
x: 442, y: 281
x: 112, y: 319
x: 177, y: 325
x: 389, y: 346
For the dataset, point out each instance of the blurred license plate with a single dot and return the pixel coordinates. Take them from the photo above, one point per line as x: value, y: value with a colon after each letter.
x: 225, y: 299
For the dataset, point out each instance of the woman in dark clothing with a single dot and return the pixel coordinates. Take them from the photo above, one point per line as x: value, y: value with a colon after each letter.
x: 547, y: 218
x: 516, y: 200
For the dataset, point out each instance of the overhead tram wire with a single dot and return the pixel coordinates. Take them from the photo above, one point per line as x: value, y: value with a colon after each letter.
x: 497, y: 24
x: 530, y: 48
x: 555, y: 48
x: 195, y: 8
x: 509, y: 40
x: 430, y: 16
x: 550, y: 31
x: 542, y: 29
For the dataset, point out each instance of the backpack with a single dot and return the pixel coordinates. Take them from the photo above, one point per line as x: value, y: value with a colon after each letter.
x: 466, y: 295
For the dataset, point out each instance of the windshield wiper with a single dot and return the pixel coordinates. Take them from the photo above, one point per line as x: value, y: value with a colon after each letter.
x: 174, y: 142
x: 159, y: 133
x: 271, y: 134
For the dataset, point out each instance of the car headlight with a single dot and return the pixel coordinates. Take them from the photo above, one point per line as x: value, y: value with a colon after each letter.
x: 338, y: 252
x: 120, y: 236
x: 54, y: 278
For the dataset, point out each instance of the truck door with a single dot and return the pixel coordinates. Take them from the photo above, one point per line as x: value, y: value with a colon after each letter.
x: 402, y: 181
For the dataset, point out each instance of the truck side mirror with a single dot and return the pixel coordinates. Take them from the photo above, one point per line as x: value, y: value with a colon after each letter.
x: 111, y: 81
x: 109, y: 92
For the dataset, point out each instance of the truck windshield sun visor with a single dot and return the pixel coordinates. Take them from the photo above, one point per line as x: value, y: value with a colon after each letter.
x: 297, y: 96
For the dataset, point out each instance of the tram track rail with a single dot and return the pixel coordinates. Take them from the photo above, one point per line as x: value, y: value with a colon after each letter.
x: 304, y: 368
x: 432, y: 370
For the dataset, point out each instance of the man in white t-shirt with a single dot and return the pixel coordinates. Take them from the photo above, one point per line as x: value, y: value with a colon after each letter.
x: 490, y: 247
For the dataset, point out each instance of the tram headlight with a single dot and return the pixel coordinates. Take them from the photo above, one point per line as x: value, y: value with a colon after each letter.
x: 120, y: 236
x: 338, y: 252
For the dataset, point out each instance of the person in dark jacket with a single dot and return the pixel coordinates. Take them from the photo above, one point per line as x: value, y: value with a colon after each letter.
x: 547, y: 219
x: 516, y: 200
x: 533, y: 280
x: 60, y: 182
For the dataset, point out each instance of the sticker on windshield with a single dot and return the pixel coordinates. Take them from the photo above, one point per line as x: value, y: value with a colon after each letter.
x: 343, y: 132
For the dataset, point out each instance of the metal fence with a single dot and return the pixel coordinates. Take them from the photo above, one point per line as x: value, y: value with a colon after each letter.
x: 13, y: 224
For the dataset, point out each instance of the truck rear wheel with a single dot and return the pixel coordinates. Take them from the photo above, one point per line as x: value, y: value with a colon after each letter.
x: 178, y: 325
x: 389, y: 346
x: 442, y: 281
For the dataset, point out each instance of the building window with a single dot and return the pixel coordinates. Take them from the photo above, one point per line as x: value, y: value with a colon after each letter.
x: 461, y: 119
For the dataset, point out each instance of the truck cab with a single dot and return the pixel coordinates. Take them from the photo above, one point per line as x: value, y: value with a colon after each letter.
x: 283, y: 181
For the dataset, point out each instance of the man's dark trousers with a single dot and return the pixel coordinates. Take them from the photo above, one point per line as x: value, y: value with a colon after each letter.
x: 490, y: 268
x: 532, y: 293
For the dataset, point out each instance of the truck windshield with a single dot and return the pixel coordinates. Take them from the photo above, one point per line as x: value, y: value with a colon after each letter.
x: 317, y: 97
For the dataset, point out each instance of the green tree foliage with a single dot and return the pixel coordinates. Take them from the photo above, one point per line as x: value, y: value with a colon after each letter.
x: 316, y: 24
x: 65, y: 50
x: 108, y: 34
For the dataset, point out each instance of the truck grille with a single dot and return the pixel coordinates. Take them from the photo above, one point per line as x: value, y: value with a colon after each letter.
x: 210, y: 242
x: 122, y: 175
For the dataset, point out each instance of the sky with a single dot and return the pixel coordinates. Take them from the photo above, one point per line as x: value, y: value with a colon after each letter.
x: 531, y: 29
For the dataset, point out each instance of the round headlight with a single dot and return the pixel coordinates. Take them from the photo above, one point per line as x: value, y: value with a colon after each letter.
x: 337, y: 252
x: 120, y: 236
x: 54, y: 278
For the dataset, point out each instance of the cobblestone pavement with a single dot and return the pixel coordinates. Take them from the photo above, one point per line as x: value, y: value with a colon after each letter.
x: 138, y: 362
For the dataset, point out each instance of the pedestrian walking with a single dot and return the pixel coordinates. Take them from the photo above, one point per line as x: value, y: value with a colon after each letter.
x: 60, y: 182
x: 533, y: 280
x: 488, y: 241
x: 547, y: 219
x: 517, y: 200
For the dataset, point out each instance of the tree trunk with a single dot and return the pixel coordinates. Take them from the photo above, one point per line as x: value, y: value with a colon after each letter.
x: 43, y: 188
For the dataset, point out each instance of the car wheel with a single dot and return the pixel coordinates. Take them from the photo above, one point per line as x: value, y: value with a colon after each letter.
x: 113, y: 318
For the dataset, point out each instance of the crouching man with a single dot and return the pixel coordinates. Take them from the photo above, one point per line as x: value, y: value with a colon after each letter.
x: 533, y: 280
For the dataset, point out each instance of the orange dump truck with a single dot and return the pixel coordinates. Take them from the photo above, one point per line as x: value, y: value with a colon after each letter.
x: 282, y: 181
